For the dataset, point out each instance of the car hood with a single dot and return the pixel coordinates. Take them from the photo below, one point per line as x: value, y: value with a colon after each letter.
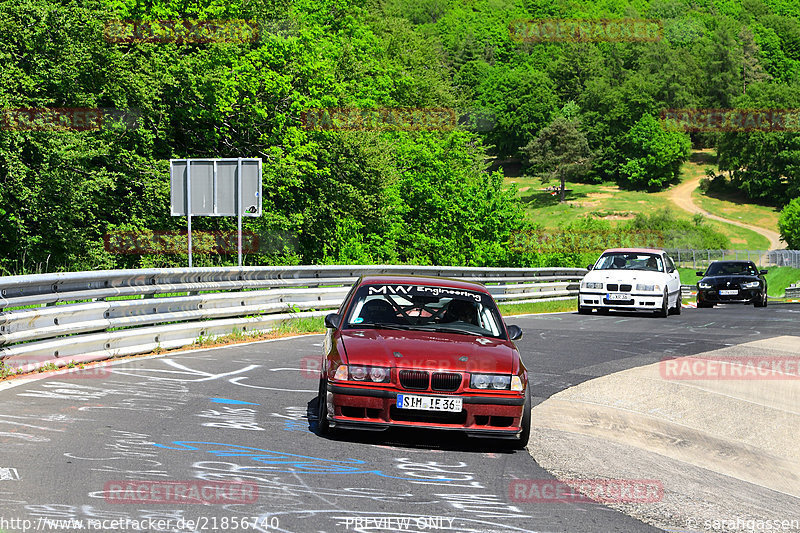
x: 430, y: 351
x: 625, y: 276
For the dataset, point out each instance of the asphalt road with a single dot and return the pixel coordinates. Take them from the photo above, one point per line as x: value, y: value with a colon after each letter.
x: 75, y: 446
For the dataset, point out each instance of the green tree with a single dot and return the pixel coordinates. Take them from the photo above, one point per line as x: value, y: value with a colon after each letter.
x: 560, y: 151
x: 789, y: 224
x: 653, y: 156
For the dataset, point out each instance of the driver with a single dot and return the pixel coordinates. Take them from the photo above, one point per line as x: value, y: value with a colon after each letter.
x: 461, y: 311
x: 378, y: 311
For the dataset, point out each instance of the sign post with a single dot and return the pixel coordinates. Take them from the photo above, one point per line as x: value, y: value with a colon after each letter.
x: 215, y: 187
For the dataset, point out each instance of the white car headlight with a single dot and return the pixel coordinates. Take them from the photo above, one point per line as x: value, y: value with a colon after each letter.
x: 375, y: 374
x: 703, y: 285
x: 490, y: 381
x: 751, y: 285
x: 591, y: 285
x: 648, y: 288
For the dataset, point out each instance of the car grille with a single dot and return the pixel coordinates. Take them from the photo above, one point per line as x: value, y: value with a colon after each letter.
x: 612, y: 287
x: 625, y: 288
x: 414, y: 379
x: 445, y: 381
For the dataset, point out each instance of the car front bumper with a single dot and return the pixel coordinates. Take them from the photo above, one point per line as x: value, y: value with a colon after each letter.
x: 637, y: 301
x: 745, y: 296
x: 376, y: 409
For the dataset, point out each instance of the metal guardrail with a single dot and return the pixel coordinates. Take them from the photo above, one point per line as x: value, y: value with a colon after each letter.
x: 702, y: 258
x: 79, y: 316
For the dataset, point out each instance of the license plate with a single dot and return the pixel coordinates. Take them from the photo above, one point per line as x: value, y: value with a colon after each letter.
x: 728, y: 292
x: 619, y: 296
x: 428, y: 403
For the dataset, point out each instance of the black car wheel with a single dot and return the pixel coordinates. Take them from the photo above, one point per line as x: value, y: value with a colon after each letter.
x: 323, y: 428
x: 678, y: 304
x: 583, y: 310
x: 525, y: 434
x: 761, y: 302
x: 664, y: 311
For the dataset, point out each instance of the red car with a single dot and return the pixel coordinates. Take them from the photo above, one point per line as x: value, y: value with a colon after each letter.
x: 423, y: 352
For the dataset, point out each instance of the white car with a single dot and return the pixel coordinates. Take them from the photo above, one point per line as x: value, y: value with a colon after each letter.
x: 631, y: 279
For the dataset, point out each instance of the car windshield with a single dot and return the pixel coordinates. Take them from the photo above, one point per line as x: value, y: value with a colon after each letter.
x: 731, y: 269
x: 424, y: 308
x: 630, y: 261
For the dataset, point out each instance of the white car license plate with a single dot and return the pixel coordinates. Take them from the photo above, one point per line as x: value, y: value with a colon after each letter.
x: 728, y: 292
x: 619, y: 296
x: 428, y: 403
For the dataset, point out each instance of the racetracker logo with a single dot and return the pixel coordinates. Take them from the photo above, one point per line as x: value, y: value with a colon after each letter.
x: 586, y: 491
x: 731, y: 119
x: 730, y: 368
x: 585, y: 30
x: 184, y: 31
x: 192, y: 491
x: 176, y: 242
x: 379, y: 119
x: 70, y: 369
x: 65, y: 119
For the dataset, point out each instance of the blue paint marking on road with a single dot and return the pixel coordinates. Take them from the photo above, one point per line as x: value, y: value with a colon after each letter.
x: 232, y: 402
x: 283, y: 462
x: 295, y: 425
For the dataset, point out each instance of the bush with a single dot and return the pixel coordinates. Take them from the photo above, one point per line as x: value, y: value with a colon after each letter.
x: 674, y: 232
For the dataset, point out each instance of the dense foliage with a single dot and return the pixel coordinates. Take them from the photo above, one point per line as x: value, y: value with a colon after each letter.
x: 789, y: 224
x: 359, y: 196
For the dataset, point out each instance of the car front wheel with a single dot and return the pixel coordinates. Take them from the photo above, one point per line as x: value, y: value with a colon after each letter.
x: 761, y: 302
x: 664, y: 311
x: 525, y: 423
x: 323, y: 428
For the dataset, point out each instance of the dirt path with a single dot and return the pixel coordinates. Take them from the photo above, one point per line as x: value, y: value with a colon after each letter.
x: 681, y: 195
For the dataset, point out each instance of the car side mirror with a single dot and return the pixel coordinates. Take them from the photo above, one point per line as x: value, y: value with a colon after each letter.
x: 763, y: 272
x: 514, y: 332
x: 589, y: 267
x: 700, y: 273
x: 332, y: 320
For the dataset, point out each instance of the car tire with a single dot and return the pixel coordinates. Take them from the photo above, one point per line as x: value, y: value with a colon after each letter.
x: 583, y: 310
x: 525, y: 423
x: 678, y: 305
x: 664, y: 311
x: 603, y: 310
x: 323, y: 427
x: 761, y: 302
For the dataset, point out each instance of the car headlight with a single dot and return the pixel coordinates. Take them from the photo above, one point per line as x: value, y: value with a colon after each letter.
x: 490, y: 381
x: 751, y: 285
x: 648, y: 288
x: 374, y: 374
x: 703, y: 285
x: 591, y: 285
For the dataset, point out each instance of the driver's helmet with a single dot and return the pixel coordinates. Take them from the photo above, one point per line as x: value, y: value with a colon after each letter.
x: 461, y: 311
x: 618, y: 262
x: 378, y: 311
x: 652, y: 263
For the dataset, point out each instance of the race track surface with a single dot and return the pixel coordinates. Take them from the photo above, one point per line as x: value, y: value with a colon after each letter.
x: 73, y: 444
